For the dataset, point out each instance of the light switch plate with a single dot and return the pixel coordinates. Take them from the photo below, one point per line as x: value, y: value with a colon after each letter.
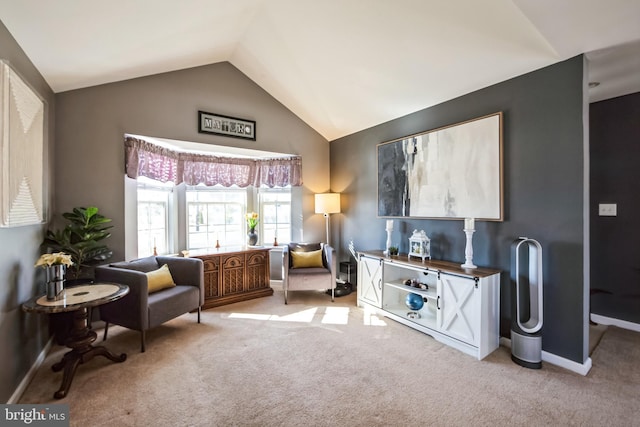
x: 608, y: 209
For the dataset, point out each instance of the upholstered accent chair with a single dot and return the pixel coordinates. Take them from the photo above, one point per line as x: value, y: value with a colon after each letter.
x: 308, y: 266
x: 153, y: 297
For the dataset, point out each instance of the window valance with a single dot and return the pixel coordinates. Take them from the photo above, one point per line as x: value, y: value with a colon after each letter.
x: 143, y: 158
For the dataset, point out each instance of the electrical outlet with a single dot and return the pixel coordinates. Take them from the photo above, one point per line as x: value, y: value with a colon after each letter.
x: 608, y: 209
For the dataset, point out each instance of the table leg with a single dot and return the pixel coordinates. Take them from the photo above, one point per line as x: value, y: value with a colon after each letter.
x: 81, y: 351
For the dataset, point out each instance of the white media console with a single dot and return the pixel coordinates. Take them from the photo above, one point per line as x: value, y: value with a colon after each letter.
x: 461, y: 306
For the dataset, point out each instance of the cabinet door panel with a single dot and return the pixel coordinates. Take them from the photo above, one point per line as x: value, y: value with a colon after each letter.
x: 257, y: 270
x: 370, y: 280
x: 233, y: 269
x: 211, y: 276
x: 459, y: 304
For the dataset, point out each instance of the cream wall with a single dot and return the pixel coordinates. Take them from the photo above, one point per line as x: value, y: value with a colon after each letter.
x: 91, y: 124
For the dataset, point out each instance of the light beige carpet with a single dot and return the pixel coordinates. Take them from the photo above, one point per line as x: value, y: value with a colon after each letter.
x: 317, y: 363
x: 596, y: 332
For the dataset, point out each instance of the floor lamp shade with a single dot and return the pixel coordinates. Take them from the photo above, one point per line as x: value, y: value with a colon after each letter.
x: 327, y: 203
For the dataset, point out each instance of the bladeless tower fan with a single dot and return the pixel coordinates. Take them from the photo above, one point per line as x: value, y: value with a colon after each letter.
x: 526, y: 319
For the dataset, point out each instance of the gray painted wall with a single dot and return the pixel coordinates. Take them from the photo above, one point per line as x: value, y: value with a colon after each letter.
x: 88, y: 169
x: 22, y: 336
x: 615, y: 277
x: 543, y: 192
x: 91, y: 124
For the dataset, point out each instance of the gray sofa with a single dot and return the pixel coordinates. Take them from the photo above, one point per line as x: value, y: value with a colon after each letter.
x: 141, y: 311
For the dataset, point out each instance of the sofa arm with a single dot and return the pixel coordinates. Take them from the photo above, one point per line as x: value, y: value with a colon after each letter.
x: 285, y: 264
x: 136, y: 301
x: 332, y: 262
x: 330, y: 257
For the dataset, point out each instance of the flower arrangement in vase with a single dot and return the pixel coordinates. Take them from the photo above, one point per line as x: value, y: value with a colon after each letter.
x: 252, y: 222
x: 56, y: 265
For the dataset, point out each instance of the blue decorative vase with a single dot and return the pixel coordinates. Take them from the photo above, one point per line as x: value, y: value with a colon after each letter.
x: 414, y: 301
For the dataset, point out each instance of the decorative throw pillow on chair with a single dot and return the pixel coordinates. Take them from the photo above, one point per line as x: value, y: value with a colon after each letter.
x: 309, y: 259
x: 160, y: 279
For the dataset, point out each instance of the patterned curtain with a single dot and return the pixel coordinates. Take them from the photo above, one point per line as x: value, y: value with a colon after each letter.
x: 143, y: 158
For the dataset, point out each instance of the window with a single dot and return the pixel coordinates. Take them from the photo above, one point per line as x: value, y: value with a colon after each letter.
x: 154, y: 208
x: 275, y: 212
x: 210, y: 215
x: 174, y: 218
x: 215, y: 215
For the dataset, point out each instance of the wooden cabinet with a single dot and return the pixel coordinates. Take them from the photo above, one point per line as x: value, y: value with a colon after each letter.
x: 235, y: 275
x: 461, y: 307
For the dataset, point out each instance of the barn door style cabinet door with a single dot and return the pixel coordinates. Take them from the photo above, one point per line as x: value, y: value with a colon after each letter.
x: 458, y: 307
x: 459, y: 316
x: 369, y: 287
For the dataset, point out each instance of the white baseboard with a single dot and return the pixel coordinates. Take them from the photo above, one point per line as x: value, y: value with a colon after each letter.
x: 611, y: 321
x: 276, y: 284
x: 579, y: 368
x: 32, y: 372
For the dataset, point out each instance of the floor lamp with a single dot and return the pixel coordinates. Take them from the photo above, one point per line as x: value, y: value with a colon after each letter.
x: 326, y: 204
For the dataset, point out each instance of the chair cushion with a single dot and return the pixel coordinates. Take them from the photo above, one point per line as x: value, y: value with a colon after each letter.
x: 312, y: 271
x: 171, y: 303
x: 159, y: 279
x: 143, y: 264
x: 311, y: 259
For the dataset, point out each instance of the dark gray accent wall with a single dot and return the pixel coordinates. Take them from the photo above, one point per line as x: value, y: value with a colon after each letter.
x: 23, y: 336
x: 543, y: 192
x: 615, y: 254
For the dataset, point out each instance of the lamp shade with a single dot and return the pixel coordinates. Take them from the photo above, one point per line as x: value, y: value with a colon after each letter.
x: 327, y: 203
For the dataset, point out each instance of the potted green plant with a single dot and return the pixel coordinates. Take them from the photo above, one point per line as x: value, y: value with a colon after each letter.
x: 82, y: 238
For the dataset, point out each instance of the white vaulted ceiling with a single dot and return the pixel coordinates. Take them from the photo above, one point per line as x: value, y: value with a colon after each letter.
x: 340, y: 65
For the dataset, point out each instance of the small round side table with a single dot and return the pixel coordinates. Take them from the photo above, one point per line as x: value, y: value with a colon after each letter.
x: 78, y: 300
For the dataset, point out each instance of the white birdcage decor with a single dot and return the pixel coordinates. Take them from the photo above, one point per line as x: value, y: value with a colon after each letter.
x: 419, y: 245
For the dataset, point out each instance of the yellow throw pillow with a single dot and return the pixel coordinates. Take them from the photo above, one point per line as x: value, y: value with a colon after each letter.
x: 160, y: 279
x: 306, y: 259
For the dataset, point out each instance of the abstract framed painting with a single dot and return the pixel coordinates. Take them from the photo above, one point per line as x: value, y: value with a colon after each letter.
x: 450, y: 172
x: 22, y: 147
